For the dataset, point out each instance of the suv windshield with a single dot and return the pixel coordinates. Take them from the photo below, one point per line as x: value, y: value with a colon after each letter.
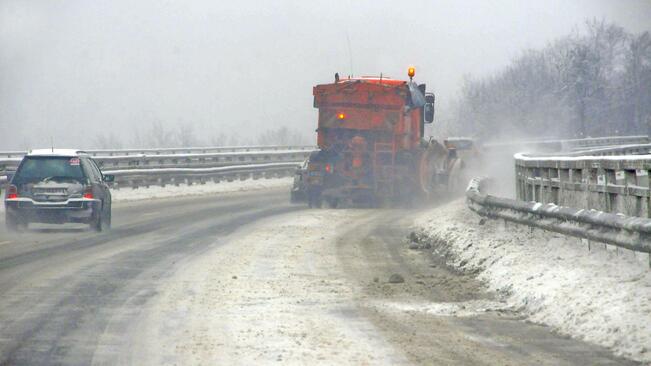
x: 38, y: 168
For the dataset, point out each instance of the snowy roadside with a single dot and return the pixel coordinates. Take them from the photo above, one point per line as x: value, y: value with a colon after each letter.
x: 154, y: 192
x: 600, y: 296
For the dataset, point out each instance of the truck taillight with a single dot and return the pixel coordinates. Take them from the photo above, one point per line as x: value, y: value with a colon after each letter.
x: 328, y: 168
x: 12, y: 192
x: 88, y: 193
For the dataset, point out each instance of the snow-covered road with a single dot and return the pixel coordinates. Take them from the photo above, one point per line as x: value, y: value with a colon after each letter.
x: 246, y: 278
x: 274, y: 293
x: 313, y: 287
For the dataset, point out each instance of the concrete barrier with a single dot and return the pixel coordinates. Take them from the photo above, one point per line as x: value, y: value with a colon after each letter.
x: 615, y: 184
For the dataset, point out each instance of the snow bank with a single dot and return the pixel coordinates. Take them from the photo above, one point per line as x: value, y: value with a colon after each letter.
x: 153, y: 192
x: 601, y: 296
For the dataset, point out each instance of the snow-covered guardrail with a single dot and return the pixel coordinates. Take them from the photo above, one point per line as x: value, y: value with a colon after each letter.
x: 192, y: 160
x: 566, y: 145
x: 591, y: 142
x: 628, y: 232
x: 177, y: 150
x: 160, y: 177
x: 174, y: 166
x: 633, y: 149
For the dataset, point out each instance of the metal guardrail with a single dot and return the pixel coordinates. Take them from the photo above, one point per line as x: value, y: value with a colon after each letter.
x: 604, y: 141
x: 567, y: 145
x: 177, y: 165
x: 634, y: 149
x: 135, y: 178
x: 632, y: 233
x: 193, y: 160
x: 176, y: 150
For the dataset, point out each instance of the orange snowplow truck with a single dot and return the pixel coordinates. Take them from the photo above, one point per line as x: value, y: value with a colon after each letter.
x: 371, y: 144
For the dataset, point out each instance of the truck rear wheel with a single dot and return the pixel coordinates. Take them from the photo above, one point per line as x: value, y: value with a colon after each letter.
x: 314, y: 199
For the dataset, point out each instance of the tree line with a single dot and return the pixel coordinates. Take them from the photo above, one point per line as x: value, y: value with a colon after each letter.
x: 594, y: 82
x: 183, y: 135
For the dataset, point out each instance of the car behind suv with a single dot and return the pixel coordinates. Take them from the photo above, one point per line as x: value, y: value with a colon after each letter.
x: 58, y: 186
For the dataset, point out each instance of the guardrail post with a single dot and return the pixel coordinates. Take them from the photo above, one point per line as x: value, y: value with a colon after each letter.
x: 518, y: 181
x: 545, y: 185
x: 642, y: 181
x: 529, y: 190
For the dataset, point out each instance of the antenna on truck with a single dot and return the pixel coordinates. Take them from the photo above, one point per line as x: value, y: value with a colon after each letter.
x: 350, y: 53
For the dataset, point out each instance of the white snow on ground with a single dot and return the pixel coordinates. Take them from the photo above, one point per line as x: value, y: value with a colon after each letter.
x: 275, y: 294
x: 153, y: 192
x: 601, y: 296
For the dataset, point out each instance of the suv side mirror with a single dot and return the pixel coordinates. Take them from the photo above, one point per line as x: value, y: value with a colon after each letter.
x: 9, y: 175
x: 109, y: 178
x: 428, y: 109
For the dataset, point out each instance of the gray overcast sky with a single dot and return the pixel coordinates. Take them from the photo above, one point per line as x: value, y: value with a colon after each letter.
x: 72, y: 69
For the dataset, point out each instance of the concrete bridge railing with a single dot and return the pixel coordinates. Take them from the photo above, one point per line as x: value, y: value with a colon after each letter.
x: 615, y: 184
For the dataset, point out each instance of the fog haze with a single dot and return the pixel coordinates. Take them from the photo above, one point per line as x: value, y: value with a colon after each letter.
x: 75, y: 70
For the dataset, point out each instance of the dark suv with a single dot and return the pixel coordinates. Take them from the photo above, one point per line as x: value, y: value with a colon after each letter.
x: 58, y: 186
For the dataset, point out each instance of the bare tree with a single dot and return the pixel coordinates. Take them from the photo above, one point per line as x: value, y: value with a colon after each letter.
x: 591, y: 84
x: 281, y: 136
x: 638, y: 79
x: 219, y: 140
x: 186, y: 137
x: 159, y: 137
x: 110, y: 141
